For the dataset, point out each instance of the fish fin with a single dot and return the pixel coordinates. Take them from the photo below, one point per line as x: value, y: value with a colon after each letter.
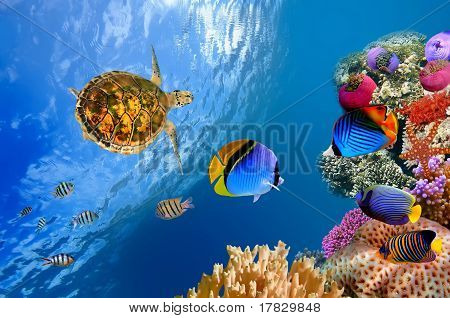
x: 187, y: 204
x: 329, y: 152
x: 436, y: 245
x: 391, y: 135
x: 215, y: 169
x: 221, y: 189
x: 272, y: 185
x: 256, y: 197
x: 74, y: 91
x: 415, y: 213
x: 47, y: 261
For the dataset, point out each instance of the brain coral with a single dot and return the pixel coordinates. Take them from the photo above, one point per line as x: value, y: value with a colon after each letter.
x: 267, y: 277
x: 363, y: 273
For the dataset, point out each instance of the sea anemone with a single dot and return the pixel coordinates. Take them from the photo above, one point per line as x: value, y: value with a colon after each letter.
x: 357, y: 92
x: 435, y: 75
x: 428, y: 109
x: 438, y: 47
x: 379, y: 59
x: 341, y: 235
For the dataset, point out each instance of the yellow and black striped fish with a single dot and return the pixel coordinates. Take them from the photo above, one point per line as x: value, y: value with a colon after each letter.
x: 173, y: 208
x: 62, y: 260
x: 84, y: 218
x: 41, y: 224
x: 63, y: 190
x: 25, y: 211
x: 412, y: 247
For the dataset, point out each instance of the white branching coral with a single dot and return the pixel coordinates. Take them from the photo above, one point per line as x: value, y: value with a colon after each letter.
x: 268, y: 276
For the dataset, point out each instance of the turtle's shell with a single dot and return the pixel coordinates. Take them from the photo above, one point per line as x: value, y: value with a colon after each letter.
x: 121, y: 112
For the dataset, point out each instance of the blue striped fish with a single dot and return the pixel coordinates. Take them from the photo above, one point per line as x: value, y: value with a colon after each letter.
x: 173, y: 208
x: 63, y: 190
x: 41, y: 224
x: 244, y: 168
x: 61, y: 260
x: 389, y: 205
x: 25, y: 211
x: 412, y: 247
x: 84, y: 218
x: 363, y: 131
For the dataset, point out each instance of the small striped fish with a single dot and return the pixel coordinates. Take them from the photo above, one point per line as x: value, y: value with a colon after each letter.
x: 412, y: 247
x: 173, y: 208
x: 84, y: 218
x: 27, y: 210
x: 63, y: 190
x: 58, y: 260
x: 41, y: 224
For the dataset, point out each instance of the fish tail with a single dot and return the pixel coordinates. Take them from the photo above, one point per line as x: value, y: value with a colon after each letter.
x: 188, y: 204
x: 436, y: 245
x: 215, y: 169
x: 47, y: 261
x: 415, y: 213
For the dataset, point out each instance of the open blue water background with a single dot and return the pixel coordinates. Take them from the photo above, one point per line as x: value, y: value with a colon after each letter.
x: 245, y: 61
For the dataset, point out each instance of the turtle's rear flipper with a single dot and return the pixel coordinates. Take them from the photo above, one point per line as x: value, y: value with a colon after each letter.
x: 172, y: 133
x: 74, y: 91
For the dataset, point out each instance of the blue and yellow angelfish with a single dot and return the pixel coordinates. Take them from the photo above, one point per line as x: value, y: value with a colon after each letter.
x: 412, y: 247
x: 389, y: 205
x: 363, y: 131
x: 244, y: 168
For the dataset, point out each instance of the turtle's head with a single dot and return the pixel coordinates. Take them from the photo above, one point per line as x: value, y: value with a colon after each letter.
x: 179, y: 99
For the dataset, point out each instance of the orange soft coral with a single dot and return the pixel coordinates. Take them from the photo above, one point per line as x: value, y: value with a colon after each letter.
x: 428, y: 109
x: 421, y: 149
x: 364, y: 273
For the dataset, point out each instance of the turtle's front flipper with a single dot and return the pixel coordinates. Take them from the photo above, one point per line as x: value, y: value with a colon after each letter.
x: 171, y: 131
x: 74, y: 91
x: 156, y: 74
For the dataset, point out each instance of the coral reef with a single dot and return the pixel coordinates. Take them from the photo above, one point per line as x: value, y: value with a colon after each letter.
x: 363, y: 273
x: 357, y: 92
x: 433, y: 193
x: 403, y: 84
x: 438, y: 47
x: 319, y: 257
x: 428, y: 109
x: 267, y: 277
x: 435, y: 76
x: 380, y: 59
x: 347, y: 176
x: 342, y: 234
x: 422, y: 150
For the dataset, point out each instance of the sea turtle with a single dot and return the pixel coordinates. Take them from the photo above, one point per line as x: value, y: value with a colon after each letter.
x: 124, y: 113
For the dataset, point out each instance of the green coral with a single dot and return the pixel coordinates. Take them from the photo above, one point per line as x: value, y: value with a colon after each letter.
x: 347, y: 176
x: 403, y: 84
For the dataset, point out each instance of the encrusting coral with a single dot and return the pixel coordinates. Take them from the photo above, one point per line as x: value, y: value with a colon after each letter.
x: 364, y: 273
x: 341, y: 235
x: 430, y: 108
x: 348, y: 176
x: 266, y: 277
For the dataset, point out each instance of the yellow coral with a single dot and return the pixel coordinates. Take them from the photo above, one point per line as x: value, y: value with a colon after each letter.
x: 363, y: 273
x: 267, y: 277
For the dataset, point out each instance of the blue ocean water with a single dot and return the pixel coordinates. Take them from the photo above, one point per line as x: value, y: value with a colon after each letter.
x: 256, y: 68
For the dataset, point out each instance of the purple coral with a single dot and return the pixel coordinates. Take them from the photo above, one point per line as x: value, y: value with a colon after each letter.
x: 379, y: 59
x: 342, y: 234
x: 438, y: 47
x: 430, y: 191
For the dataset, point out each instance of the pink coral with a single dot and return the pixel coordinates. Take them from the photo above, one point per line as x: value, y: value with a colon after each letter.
x: 341, y: 235
x: 435, y: 75
x: 360, y: 269
x: 357, y: 92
